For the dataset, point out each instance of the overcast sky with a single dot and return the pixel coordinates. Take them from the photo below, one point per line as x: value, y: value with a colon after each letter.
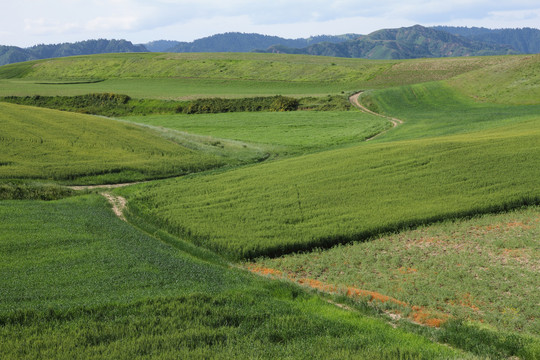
x: 29, y: 22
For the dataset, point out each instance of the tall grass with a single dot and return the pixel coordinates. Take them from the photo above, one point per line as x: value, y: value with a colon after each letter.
x: 349, y: 194
x: 292, y: 131
x: 47, y: 144
x: 77, y: 282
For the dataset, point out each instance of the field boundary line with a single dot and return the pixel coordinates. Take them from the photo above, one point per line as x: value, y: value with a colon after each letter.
x: 354, y: 100
x: 105, y: 186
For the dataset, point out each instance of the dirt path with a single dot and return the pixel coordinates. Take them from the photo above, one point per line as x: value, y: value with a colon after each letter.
x: 118, y: 204
x: 354, y: 100
x: 107, y: 186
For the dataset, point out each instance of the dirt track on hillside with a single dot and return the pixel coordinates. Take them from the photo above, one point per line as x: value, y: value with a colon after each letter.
x: 107, y: 186
x: 354, y: 100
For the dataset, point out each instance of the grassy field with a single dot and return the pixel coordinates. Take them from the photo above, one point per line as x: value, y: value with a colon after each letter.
x: 293, y: 131
x: 436, y: 109
x: 53, y: 145
x: 427, y: 224
x: 189, y: 76
x: 174, y: 89
x: 80, y: 283
x: 515, y: 81
x: 349, y: 194
x: 481, y: 269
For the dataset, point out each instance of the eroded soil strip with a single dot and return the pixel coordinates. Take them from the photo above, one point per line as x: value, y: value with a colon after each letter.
x: 417, y: 314
x: 354, y: 100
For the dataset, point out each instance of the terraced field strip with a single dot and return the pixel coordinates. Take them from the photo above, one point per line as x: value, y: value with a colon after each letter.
x: 416, y: 314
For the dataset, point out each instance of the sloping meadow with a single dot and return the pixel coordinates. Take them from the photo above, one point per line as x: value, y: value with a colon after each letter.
x: 53, y: 145
x: 349, y: 194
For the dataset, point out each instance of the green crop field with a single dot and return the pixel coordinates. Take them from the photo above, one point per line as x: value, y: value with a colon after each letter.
x: 77, y: 282
x: 349, y: 194
x: 483, y: 269
x: 293, y: 131
x: 48, y: 144
x: 420, y: 243
x: 188, y: 76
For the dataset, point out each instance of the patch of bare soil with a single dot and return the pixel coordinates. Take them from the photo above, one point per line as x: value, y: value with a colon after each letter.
x: 118, y: 204
x: 107, y: 186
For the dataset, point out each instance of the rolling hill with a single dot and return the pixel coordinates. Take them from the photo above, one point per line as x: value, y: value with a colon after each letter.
x: 440, y: 213
x: 242, y: 42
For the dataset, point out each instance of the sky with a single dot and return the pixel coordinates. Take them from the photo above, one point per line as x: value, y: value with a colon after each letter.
x: 29, y: 22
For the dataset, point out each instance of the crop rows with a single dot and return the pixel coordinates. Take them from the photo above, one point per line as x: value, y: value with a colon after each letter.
x: 47, y: 144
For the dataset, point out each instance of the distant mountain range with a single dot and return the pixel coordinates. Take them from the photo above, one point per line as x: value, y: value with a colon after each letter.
x: 403, y: 43
x: 240, y: 42
x: 12, y: 54
x: 526, y: 40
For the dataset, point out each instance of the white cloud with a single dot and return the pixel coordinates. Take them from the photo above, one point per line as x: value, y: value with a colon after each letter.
x: 26, y: 22
x: 112, y: 23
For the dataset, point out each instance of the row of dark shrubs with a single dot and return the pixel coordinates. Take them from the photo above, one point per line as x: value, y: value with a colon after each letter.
x: 218, y: 105
x: 14, y: 191
x: 108, y: 104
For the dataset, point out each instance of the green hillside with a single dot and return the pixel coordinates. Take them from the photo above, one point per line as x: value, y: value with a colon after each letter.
x: 47, y: 144
x: 198, y: 75
x: 349, y: 194
x: 421, y: 243
x: 77, y: 282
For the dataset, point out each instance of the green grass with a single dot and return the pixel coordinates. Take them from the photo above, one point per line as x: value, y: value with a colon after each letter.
x: 294, y: 131
x: 481, y: 269
x: 436, y: 109
x: 48, y: 144
x: 349, y: 194
x: 77, y: 282
x: 189, y: 76
x: 74, y: 252
x: 515, y: 81
x: 175, y: 89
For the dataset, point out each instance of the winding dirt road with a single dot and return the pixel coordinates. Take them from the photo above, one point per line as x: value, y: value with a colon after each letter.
x: 354, y: 100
